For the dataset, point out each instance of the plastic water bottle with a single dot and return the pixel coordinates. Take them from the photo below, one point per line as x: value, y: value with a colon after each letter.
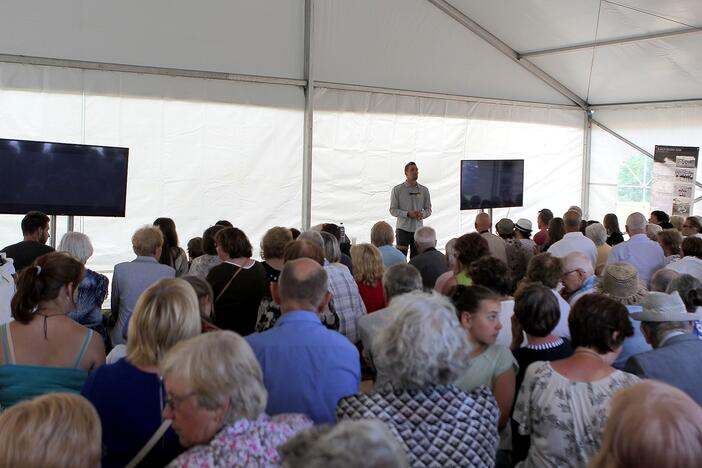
x: 342, y: 232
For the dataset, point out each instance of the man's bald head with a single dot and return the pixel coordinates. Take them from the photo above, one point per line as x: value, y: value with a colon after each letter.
x: 302, y: 284
x: 636, y: 224
x: 571, y: 221
x: 483, y: 222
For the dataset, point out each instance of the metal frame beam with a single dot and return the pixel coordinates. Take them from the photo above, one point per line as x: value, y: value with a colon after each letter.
x: 587, y: 158
x: 309, y: 115
x: 498, y: 44
x: 648, y: 104
x: 624, y: 40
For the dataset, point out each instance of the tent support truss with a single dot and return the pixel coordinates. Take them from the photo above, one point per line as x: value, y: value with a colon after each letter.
x: 309, y: 114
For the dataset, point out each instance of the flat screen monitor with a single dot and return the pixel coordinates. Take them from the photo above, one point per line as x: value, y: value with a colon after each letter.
x: 62, y: 178
x: 492, y: 183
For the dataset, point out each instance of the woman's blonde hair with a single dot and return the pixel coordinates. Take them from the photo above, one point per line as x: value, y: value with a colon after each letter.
x: 166, y: 313
x: 53, y: 430
x: 651, y: 424
x: 367, y: 261
x: 381, y: 234
x: 220, y: 368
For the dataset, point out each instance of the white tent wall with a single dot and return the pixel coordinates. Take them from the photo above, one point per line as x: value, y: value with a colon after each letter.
x: 363, y: 140
x: 676, y: 125
x: 200, y: 150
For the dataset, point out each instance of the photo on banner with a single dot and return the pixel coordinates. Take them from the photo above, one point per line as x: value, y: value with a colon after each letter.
x: 674, y: 175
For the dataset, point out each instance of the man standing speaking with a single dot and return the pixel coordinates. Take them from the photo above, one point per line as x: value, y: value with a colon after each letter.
x: 410, y: 204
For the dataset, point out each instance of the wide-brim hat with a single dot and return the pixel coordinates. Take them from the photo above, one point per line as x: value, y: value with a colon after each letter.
x: 523, y: 225
x: 662, y: 307
x: 620, y: 281
x: 505, y: 226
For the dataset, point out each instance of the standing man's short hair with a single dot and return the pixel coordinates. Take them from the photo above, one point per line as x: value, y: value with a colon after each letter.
x: 409, y: 164
x: 546, y: 216
x: 34, y: 220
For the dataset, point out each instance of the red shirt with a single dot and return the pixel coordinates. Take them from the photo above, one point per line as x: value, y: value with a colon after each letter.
x: 541, y: 237
x: 373, y: 296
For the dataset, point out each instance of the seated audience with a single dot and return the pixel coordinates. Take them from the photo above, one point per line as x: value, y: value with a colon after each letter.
x: 382, y: 236
x: 344, y: 244
x: 667, y: 327
x: 217, y: 406
x: 130, y: 279
x: 493, y: 274
x: 574, y: 240
x: 365, y: 443
x: 574, y: 392
x: 202, y: 265
x: 491, y: 365
x: 397, y: 280
x: 423, y: 351
x: 522, y: 231
x: 640, y: 251
x: 546, y: 269
x: 597, y: 234
x: 542, y: 220
x: 345, y: 299
x: 205, y: 299
x: 691, y: 261
x: 302, y: 248
x: 430, y: 262
x: 450, y: 253
x: 483, y: 225
x: 677, y: 221
x: 306, y: 367
x: 92, y: 291
x: 620, y: 282
x: 614, y: 234
x: 652, y: 231
x: 660, y: 218
x: 556, y: 231
x: 536, y: 313
x: 578, y: 277
x: 35, y: 233
x: 670, y: 241
x: 194, y: 250
x: 171, y: 254
x: 651, y: 425
x: 272, y: 250
x: 691, y: 226
x: 690, y: 290
x: 368, y: 275
x: 239, y: 283
x: 469, y: 247
x: 51, y: 431
x: 127, y: 394
x: 662, y: 278
x: 43, y: 350
x: 518, y: 254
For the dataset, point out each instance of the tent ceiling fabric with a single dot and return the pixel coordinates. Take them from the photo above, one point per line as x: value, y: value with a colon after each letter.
x: 262, y: 37
x: 394, y: 44
x: 410, y: 44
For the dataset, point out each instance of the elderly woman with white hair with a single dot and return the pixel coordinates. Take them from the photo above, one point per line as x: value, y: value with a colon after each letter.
x: 423, y: 352
x: 597, y: 233
x: 217, y: 405
x: 365, y: 443
x: 92, y: 291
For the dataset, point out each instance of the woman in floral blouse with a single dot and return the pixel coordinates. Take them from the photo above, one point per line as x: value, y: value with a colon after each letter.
x: 217, y: 405
x: 562, y: 405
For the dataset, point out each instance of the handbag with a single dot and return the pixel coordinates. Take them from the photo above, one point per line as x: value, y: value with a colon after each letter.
x: 226, y: 286
x: 150, y: 444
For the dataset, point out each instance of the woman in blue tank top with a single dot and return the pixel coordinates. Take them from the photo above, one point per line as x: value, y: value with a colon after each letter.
x: 43, y: 350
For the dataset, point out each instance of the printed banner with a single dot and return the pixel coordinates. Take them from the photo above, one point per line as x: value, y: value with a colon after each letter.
x: 674, y: 175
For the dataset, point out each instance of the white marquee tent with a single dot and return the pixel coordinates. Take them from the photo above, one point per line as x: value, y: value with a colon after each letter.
x: 296, y: 112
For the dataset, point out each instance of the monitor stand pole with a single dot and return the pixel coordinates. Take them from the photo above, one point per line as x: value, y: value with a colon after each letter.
x: 53, y: 229
x: 71, y: 223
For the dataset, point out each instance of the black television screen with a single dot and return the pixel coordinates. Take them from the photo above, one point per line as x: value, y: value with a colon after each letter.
x: 62, y: 178
x: 492, y: 183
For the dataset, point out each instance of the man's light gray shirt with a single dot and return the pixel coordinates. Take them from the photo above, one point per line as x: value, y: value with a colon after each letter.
x: 406, y: 198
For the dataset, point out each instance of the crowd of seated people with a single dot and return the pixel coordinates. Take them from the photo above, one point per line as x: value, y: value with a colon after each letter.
x: 573, y: 347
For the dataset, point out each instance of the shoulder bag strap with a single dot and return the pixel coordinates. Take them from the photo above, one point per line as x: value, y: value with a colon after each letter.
x: 226, y: 286
x: 150, y: 444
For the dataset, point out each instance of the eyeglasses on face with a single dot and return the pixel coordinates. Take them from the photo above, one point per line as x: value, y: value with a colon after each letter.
x: 173, y: 402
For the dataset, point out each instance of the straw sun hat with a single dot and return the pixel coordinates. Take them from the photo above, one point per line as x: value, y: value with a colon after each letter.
x: 620, y: 281
x: 662, y: 307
